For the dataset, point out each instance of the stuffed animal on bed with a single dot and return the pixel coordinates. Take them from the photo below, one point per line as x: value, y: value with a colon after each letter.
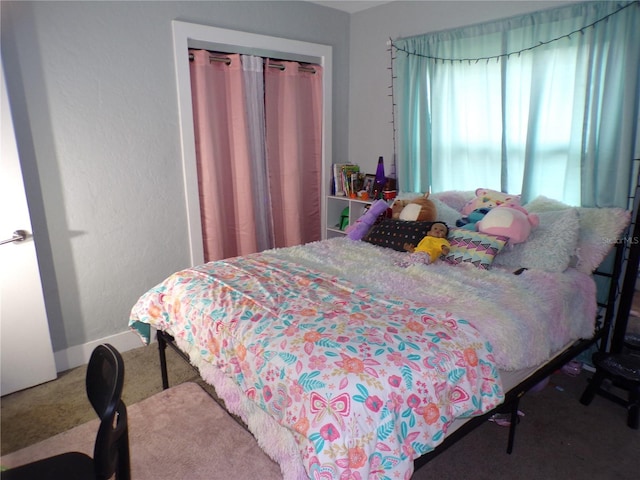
x: 470, y: 221
x: 509, y: 220
x: 361, y: 226
x: 487, y: 198
x: 419, y: 209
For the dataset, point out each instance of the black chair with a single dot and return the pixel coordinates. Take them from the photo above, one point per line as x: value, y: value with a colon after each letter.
x: 619, y: 366
x: 623, y: 370
x: 105, y: 377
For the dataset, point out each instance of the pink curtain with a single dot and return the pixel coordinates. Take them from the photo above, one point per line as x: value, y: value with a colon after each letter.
x: 224, y: 164
x: 293, y: 109
x: 229, y: 174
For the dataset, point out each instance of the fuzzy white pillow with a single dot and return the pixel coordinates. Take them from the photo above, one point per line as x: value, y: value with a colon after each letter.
x: 455, y: 199
x: 446, y: 214
x: 550, y: 245
x: 600, y: 228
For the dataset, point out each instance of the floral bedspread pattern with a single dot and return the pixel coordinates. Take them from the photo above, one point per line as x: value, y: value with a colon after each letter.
x: 364, y: 381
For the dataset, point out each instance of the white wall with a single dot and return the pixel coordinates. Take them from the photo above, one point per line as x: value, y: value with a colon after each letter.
x: 370, y: 130
x: 93, y: 95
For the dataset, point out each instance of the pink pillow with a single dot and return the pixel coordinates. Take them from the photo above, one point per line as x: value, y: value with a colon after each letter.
x: 510, y: 221
x: 487, y: 198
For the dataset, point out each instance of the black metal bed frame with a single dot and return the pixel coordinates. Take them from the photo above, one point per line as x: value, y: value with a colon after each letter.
x: 604, y: 328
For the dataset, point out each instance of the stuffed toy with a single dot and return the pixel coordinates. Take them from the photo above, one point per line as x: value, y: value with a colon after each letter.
x: 486, y: 198
x: 509, y: 220
x: 361, y: 226
x: 419, y: 209
x: 396, y: 208
x: 470, y: 221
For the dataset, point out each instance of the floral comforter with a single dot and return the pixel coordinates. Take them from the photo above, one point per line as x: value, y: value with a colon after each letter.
x: 365, y: 382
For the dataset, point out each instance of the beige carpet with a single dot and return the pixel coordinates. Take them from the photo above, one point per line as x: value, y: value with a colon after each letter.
x: 37, y: 413
x: 558, y: 439
x: 180, y: 433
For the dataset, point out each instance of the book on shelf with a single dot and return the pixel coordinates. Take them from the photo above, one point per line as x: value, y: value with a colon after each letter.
x: 345, y: 178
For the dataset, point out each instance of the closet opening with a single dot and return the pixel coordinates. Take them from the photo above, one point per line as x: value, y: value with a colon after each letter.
x: 193, y: 36
x: 258, y: 131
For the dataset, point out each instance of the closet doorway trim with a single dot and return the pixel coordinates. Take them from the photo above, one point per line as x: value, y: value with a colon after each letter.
x: 190, y: 35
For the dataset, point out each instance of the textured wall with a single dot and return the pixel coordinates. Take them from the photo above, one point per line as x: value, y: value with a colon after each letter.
x: 93, y: 93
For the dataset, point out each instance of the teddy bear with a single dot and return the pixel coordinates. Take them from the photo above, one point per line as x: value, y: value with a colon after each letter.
x: 419, y: 209
x: 487, y: 198
x: 509, y: 220
x: 361, y: 226
x: 470, y: 221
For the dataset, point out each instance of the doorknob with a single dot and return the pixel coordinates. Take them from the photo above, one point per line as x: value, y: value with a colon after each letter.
x: 18, y: 236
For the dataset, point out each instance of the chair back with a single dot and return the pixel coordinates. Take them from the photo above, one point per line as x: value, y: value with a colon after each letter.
x: 104, y: 383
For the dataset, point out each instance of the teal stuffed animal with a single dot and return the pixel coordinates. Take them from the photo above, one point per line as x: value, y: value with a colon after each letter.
x: 469, y: 222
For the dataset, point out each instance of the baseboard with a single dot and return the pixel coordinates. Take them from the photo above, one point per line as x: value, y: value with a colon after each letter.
x: 79, y: 355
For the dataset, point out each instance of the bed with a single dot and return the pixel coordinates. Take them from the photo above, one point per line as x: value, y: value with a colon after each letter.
x: 345, y: 364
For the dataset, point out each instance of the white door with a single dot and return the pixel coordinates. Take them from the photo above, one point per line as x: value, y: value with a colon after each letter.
x: 26, y: 355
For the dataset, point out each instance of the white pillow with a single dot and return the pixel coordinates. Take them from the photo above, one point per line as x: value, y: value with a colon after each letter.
x: 545, y: 204
x: 600, y: 228
x: 550, y: 245
x: 446, y: 214
x: 455, y: 199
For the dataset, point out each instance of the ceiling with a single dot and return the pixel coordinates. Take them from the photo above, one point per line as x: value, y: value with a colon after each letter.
x: 350, y: 6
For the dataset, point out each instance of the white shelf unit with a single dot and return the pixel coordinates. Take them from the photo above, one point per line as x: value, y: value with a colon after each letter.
x: 335, y: 206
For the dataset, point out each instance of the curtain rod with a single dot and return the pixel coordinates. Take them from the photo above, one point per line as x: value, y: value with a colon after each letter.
x: 227, y: 61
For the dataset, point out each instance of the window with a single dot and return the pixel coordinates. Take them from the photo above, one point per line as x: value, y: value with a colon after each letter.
x: 483, y: 122
x: 531, y: 105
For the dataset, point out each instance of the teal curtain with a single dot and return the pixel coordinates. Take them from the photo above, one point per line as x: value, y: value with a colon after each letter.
x: 541, y: 104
